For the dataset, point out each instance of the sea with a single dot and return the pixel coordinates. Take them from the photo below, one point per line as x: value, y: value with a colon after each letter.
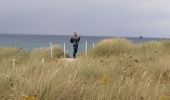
x: 30, y: 42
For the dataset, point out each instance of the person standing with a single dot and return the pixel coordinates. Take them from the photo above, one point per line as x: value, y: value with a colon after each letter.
x: 75, y: 41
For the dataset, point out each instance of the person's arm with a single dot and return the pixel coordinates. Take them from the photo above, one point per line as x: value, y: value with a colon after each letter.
x: 72, y: 40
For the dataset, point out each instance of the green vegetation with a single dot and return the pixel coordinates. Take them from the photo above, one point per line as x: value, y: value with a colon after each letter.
x: 116, y: 69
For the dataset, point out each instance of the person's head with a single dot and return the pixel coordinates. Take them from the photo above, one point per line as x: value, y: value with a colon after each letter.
x: 75, y: 33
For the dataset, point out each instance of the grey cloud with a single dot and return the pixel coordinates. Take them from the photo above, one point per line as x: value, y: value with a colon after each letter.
x: 97, y: 17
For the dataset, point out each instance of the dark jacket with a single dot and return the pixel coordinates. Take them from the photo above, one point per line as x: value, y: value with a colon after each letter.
x: 75, y: 40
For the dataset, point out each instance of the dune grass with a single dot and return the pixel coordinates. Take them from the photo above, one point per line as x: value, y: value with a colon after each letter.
x: 116, y: 69
x: 45, y: 53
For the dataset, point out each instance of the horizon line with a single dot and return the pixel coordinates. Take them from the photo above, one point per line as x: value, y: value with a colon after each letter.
x: 114, y: 36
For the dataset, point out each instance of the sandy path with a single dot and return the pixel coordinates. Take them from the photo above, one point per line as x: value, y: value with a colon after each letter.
x: 68, y: 59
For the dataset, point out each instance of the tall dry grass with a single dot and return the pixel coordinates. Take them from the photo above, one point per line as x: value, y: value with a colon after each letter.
x: 129, y: 72
x: 110, y: 47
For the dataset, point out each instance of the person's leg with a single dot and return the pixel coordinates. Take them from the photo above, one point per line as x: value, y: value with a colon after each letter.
x: 75, y: 51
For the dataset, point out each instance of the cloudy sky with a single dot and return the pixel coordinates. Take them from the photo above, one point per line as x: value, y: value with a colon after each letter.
x: 89, y: 17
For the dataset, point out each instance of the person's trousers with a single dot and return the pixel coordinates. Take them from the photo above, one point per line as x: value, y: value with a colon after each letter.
x: 75, y: 47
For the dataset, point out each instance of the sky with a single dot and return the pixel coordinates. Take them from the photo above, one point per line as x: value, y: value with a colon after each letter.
x: 150, y: 18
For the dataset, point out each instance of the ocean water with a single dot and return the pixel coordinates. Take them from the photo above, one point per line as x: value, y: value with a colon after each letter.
x: 30, y: 42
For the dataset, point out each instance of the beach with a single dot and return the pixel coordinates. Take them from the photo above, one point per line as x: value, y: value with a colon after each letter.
x: 116, y: 69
